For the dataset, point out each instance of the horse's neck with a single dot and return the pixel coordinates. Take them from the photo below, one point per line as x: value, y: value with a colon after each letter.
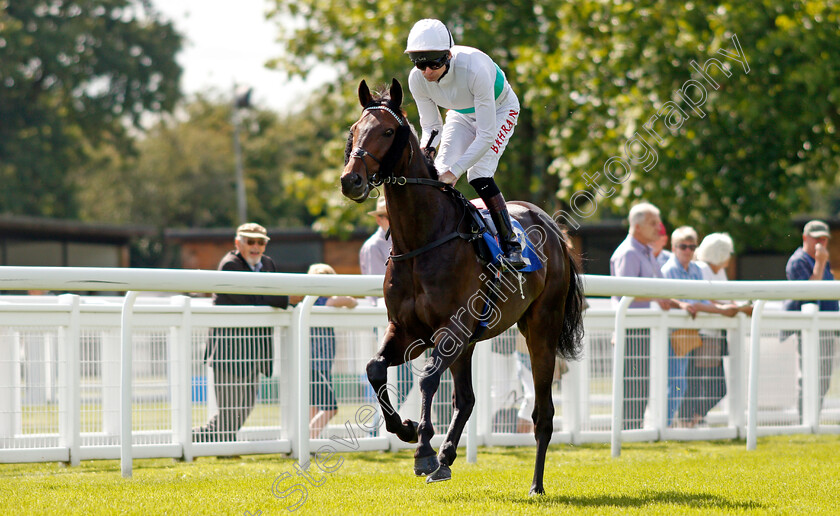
x: 420, y: 213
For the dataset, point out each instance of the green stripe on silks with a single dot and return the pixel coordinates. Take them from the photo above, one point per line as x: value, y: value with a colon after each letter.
x: 498, y: 87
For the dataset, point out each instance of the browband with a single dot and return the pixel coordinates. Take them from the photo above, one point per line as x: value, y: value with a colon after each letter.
x: 389, y: 110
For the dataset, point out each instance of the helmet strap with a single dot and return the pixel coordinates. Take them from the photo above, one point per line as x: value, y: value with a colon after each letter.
x: 445, y: 69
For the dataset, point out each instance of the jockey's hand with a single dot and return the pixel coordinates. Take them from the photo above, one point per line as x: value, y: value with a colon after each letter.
x: 430, y: 152
x: 448, y: 177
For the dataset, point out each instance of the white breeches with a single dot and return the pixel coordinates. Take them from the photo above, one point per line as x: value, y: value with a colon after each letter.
x: 459, y: 133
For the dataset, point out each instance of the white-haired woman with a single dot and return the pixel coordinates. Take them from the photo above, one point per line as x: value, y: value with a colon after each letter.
x: 704, y: 374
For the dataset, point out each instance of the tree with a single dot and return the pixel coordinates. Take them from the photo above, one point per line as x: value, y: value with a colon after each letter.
x: 74, y: 75
x: 367, y: 40
x: 183, y: 173
x: 741, y: 162
x: 590, y: 75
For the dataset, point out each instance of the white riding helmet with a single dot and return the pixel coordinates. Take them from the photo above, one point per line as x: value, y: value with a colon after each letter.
x: 429, y: 35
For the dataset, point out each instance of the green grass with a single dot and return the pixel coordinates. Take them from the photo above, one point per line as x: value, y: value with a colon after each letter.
x: 785, y: 475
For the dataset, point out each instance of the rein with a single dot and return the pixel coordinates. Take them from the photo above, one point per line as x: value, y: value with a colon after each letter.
x: 385, y: 176
x: 446, y: 188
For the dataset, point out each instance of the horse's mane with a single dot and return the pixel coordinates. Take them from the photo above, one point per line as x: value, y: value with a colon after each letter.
x: 383, y: 98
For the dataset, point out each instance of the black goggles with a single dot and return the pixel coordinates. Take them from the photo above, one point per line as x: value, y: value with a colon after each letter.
x: 433, y: 60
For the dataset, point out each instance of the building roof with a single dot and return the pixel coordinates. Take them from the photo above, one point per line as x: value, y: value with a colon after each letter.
x: 61, y: 229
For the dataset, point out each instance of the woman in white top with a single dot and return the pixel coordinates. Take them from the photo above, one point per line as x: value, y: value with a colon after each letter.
x: 482, y: 113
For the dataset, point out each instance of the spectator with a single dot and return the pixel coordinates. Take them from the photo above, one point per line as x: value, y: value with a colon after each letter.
x: 373, y: 258
x: 323, y: 403
x: 659, y: 252
x: 375, y: 252
x: 239, y: 355
x: 706, y: 384
x: 810, y: 262
x: 680, y: 266
x: 634, y: 258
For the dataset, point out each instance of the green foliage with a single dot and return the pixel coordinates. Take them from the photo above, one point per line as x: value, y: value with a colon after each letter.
x: 183, y: 174
x: 72, y: 74
x: 591, y: 73
x: 784, y: 475
x: 745, y: 165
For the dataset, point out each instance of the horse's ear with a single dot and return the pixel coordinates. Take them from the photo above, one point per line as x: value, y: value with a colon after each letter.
x: 364, y: 94
x: 396, y: 92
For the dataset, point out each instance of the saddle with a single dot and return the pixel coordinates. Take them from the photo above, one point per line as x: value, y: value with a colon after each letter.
x: 488, y: 247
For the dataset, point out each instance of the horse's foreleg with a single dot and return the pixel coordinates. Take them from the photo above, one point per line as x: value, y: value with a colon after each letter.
x: 464, y: 403
x: 391, y: 353
x: 377, y: 372
x: 425, y: 461
x: 448, y: 347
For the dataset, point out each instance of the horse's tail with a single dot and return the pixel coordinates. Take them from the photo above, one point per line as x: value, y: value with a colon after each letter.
x: 571, y: 336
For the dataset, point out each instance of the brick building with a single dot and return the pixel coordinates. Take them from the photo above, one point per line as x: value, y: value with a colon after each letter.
x: 293, y: 250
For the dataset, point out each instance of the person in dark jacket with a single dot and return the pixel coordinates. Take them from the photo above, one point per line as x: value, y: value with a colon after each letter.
x: 239, y: 355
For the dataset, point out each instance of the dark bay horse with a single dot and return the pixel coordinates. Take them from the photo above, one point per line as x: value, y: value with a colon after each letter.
x: 437, y: 292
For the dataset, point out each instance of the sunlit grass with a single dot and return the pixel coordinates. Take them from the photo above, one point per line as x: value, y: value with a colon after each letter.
x: 785, y: 475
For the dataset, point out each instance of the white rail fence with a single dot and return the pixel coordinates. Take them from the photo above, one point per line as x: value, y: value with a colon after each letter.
x: 107, y: 377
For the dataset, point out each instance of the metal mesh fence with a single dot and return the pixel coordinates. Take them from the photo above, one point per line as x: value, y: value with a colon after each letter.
x: 30, y: 387
x: 597, y: 382
x: 237, y: 390
x: 240, y: 383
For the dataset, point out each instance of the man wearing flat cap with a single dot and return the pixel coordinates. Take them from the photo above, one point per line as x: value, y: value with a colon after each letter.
x: 239, y: 355
x: 810, y: 262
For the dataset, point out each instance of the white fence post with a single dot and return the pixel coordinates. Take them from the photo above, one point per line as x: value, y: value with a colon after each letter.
x: 660, y: 343
x: 10, y: 388
x: 303, y: 365
x: 755, y: 349
x: 472, y: 422
x: 618, y: 376
x: 736, y: 394
x: 574, y: 394
x: 71, y: 401
x: 109, y: 374
x: 809, y: 357
x: 483, y: 399
x: 180, y: 352
x: 126, y: 371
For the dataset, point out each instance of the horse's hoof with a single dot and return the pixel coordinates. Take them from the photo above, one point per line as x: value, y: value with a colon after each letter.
x: 536, y: 491
x: 426, y: 465
x: 443, y: 473
x: 409, y: 433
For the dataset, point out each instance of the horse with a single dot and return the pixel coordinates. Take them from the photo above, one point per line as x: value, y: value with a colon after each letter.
x: 437, y: 291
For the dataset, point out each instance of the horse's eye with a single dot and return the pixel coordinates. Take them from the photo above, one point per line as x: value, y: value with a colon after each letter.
x: 389, y: 132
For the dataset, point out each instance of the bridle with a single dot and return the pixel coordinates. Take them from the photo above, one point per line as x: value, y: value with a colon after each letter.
x: 385, y: 176
x: 393, y: 154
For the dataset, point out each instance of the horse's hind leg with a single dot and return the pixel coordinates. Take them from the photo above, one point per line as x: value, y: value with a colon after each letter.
x: 464, y: 402
x: 540, y: 335
x: 391, y: 353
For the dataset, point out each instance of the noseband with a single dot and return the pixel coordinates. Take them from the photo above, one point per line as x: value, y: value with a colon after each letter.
x: 396, y: 149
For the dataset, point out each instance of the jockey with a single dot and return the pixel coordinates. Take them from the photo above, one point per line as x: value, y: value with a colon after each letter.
x: 482, y: 112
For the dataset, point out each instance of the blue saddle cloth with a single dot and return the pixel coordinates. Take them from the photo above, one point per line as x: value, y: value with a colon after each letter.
x: 529, y: 255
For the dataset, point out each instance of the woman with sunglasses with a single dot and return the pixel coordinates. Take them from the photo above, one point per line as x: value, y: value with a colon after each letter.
x: 482, y: 111
x: 682, y: 266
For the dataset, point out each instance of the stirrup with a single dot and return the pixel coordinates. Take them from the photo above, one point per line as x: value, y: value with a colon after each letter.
x: 513, y: 256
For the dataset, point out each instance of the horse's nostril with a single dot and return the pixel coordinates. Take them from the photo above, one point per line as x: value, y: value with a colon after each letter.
x: 358, y: 181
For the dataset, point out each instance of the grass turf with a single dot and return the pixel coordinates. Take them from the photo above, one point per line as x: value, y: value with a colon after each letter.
x: 785, y: 475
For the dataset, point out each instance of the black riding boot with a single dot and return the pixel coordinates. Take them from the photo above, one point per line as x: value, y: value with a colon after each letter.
x: 501, y: 218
